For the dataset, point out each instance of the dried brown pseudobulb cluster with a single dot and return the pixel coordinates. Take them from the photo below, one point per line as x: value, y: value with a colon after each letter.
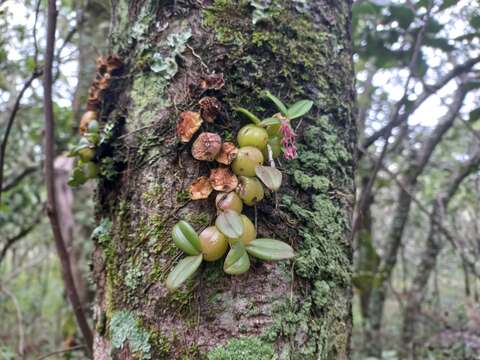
x: 107, y: 69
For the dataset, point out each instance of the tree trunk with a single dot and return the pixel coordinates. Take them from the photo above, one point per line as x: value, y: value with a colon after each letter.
x: 366, y: 262
x: 295, y: 310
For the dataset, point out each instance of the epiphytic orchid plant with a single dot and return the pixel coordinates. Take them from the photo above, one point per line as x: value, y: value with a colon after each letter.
x: 239, y: 180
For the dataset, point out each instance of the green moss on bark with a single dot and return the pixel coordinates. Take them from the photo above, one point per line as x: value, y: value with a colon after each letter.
x: 244, y: 348
x: 124, y: 328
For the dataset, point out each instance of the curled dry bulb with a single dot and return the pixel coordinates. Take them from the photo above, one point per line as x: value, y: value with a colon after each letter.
x: 210, y: 108
x: 207, y: 146
x: 107, y: 68
x: 212, y: 82
x: 114, y: 64
x: 222, y: 179
x: 200, y: 188
x: 228, y: 153
x: 86, y: 119
x: 188, y: 125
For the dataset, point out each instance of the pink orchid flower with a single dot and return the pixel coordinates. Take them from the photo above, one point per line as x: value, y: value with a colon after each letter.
x: 288, y: 141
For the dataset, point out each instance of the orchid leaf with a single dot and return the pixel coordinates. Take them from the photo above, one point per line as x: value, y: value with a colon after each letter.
x: 184, y: 269
x: 237, y: 261
x: 278, y: 103
x: 270, y: 249
x: 230, y: 224
x: 298, y: 109
x: 270, y: 176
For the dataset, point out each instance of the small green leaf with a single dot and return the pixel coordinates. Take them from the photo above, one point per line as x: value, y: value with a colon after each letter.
x: 448, y: 3
x: 186, y: 238
x: 83, y: 143
x: 184, y: 269
x: 402, y: 14
x: 237, y: 261
x: 475, y: 21
x: 72, y: 182
x: 270, y: 176
x: 474, y: 115
x: 78, y: 177
x: 92, y: 138
x: 269, y: 121
x: 230, y: 224
x: 278, y: 103
x: 270, y: 249
x: 252, y: 117
x: 298, y: 109
x: 90, y: 170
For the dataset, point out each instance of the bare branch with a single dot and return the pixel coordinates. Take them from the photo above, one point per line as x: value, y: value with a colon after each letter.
x: 21, y: 234
x: 66, y: 41
x: 429, y: 90
x: 366, y: 191
x: 11, y: 119
x: 423, y: 208
x: 14, y: 182
x: 35, y: 43
x: 49, y: 179
x: 433, y: 247
x: 58, y: 352
x: 16, y: 106
x: 413, y: 172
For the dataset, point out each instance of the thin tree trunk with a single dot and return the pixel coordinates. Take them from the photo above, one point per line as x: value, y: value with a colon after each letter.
x: 63, y: 166
x: 296, y: 310
x: 400, y: 217
x: 429, y: 255
x: 367, y: 261
x: 52, y: 209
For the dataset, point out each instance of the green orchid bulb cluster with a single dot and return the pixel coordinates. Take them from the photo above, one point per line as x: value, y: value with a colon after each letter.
x: 233, y: 233
x: 86, y: 168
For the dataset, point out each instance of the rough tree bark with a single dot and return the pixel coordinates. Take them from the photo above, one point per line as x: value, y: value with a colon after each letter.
x: 296, y: 310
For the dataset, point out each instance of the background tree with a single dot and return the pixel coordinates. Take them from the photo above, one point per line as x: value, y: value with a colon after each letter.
x: 413, y: 47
